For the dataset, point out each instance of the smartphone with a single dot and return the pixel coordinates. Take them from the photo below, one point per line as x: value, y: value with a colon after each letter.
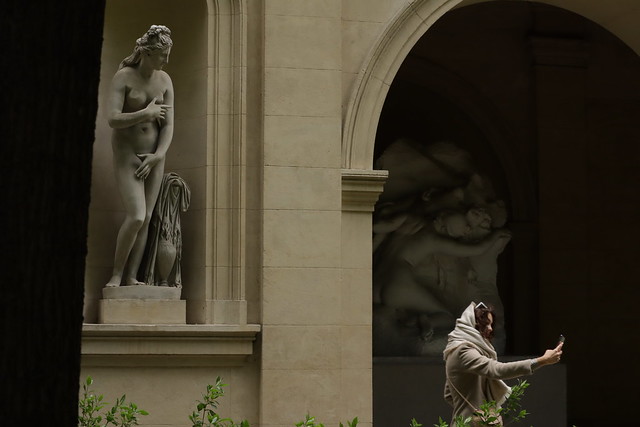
x: 561, y: 339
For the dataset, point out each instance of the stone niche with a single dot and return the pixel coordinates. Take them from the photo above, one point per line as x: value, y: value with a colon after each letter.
x: 438, y: 230
x: 206, y: 67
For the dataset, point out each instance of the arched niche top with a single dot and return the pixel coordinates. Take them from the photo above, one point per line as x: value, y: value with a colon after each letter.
x: 405, y: 29
x: 379, y: 70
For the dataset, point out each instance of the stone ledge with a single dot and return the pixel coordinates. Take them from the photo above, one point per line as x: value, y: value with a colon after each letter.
x: 167, y: 345
x: 142, y: 292
x: 137, y: 311
x: 361, y: 189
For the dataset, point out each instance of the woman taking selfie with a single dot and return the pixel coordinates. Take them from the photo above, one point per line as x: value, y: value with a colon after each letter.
x: 473, y: 373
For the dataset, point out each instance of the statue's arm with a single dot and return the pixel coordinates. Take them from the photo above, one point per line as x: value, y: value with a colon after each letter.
x: 165, y: 134
x: 449, y: 246
x: 116, y: 117
x: 424, y: 244
x: 166, y: 129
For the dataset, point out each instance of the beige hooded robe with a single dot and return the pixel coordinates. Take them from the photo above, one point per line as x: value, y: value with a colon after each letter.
x: 472, y: 368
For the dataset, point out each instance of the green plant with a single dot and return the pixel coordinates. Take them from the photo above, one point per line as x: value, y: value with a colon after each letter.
x: 309, y: 421
x: 459, y: 421
x: 121, y: 413
x: 352, y: 423
x: 205, y: 414
x: 488, y: 413
x: 89, y: 405
x: 511, y: 410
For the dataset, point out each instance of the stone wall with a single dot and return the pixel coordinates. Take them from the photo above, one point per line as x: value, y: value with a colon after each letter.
x: 277, y: 110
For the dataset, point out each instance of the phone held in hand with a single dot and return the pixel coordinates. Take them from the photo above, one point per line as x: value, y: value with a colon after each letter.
x: 561, y: 339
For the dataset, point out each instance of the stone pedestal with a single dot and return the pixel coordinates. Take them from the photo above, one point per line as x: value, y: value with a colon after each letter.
x: 142, y: 305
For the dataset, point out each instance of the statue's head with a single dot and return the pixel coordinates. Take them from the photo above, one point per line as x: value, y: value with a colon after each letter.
x: 157, y: 38
x: 478, y: 218
x: 453, y: 224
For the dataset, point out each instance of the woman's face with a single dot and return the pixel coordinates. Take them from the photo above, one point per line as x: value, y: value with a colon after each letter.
x: 489, y: 328
x: 484, y: 323
x: 159, y: 58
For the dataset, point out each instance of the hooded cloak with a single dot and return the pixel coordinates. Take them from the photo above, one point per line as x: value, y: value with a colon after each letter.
x: 474, y: 375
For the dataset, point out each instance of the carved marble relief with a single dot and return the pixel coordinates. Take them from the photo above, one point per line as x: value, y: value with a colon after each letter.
x: 438, y: 229
x: 161, y: 266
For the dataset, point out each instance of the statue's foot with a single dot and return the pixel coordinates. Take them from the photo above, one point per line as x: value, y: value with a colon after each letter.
x: 114, y: 282
x: 133, y: 282
x: 426, y: 328
x: 427, y: 336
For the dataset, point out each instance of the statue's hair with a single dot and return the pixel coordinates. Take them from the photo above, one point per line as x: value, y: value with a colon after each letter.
x: 157, y: 37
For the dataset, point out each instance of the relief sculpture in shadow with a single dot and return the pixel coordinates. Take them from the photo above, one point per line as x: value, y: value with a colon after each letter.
x: 438, y: 231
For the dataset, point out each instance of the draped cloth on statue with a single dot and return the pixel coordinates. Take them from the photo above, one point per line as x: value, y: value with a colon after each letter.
x: 165, y: 232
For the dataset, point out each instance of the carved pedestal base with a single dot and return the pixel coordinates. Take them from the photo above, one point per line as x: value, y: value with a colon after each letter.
x: 142, y: 305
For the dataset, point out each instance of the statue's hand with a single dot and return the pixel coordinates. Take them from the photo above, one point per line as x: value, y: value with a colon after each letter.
x: 148, y: 162
x: 501, y: 234
x: 156, y: 111
x: 499, y: 239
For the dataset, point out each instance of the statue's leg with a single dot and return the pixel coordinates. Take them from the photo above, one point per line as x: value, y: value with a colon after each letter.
x: 152, y: 189
x: 426, y: 327
x: 132, y: 194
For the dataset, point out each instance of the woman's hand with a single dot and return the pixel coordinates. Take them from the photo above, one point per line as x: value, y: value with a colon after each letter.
x: 551, y: 357
x: 156, y: 111
x: 148, y: 162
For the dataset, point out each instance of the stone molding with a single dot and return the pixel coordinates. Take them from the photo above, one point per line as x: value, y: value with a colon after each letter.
x: 226, y: 162
x: 167, y: 345
x: 378, y: 72
x: 136, y: 311
x: 142, y: 292
x: 361, y: 189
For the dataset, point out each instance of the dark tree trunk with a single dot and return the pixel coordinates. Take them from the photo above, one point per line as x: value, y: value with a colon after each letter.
x: 51, y: 67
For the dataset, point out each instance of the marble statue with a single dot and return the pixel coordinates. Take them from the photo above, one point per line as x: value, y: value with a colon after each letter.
x: 140, y: 112
x: 437, y: 236
x: 164, y: 248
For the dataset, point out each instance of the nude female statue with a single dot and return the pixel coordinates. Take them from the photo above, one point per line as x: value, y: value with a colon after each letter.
x: 140, y: 111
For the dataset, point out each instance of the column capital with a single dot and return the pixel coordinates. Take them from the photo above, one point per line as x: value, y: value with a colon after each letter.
x: 361, y: 188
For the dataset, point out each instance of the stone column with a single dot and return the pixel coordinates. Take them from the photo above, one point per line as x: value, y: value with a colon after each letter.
x: 302, y: 343
x: 360, y: 191
x: 221, y: 298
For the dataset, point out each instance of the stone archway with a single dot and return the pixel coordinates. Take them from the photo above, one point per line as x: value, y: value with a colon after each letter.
x: 402, y: 33
x: 362, y: 118
x: 362, y: 115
